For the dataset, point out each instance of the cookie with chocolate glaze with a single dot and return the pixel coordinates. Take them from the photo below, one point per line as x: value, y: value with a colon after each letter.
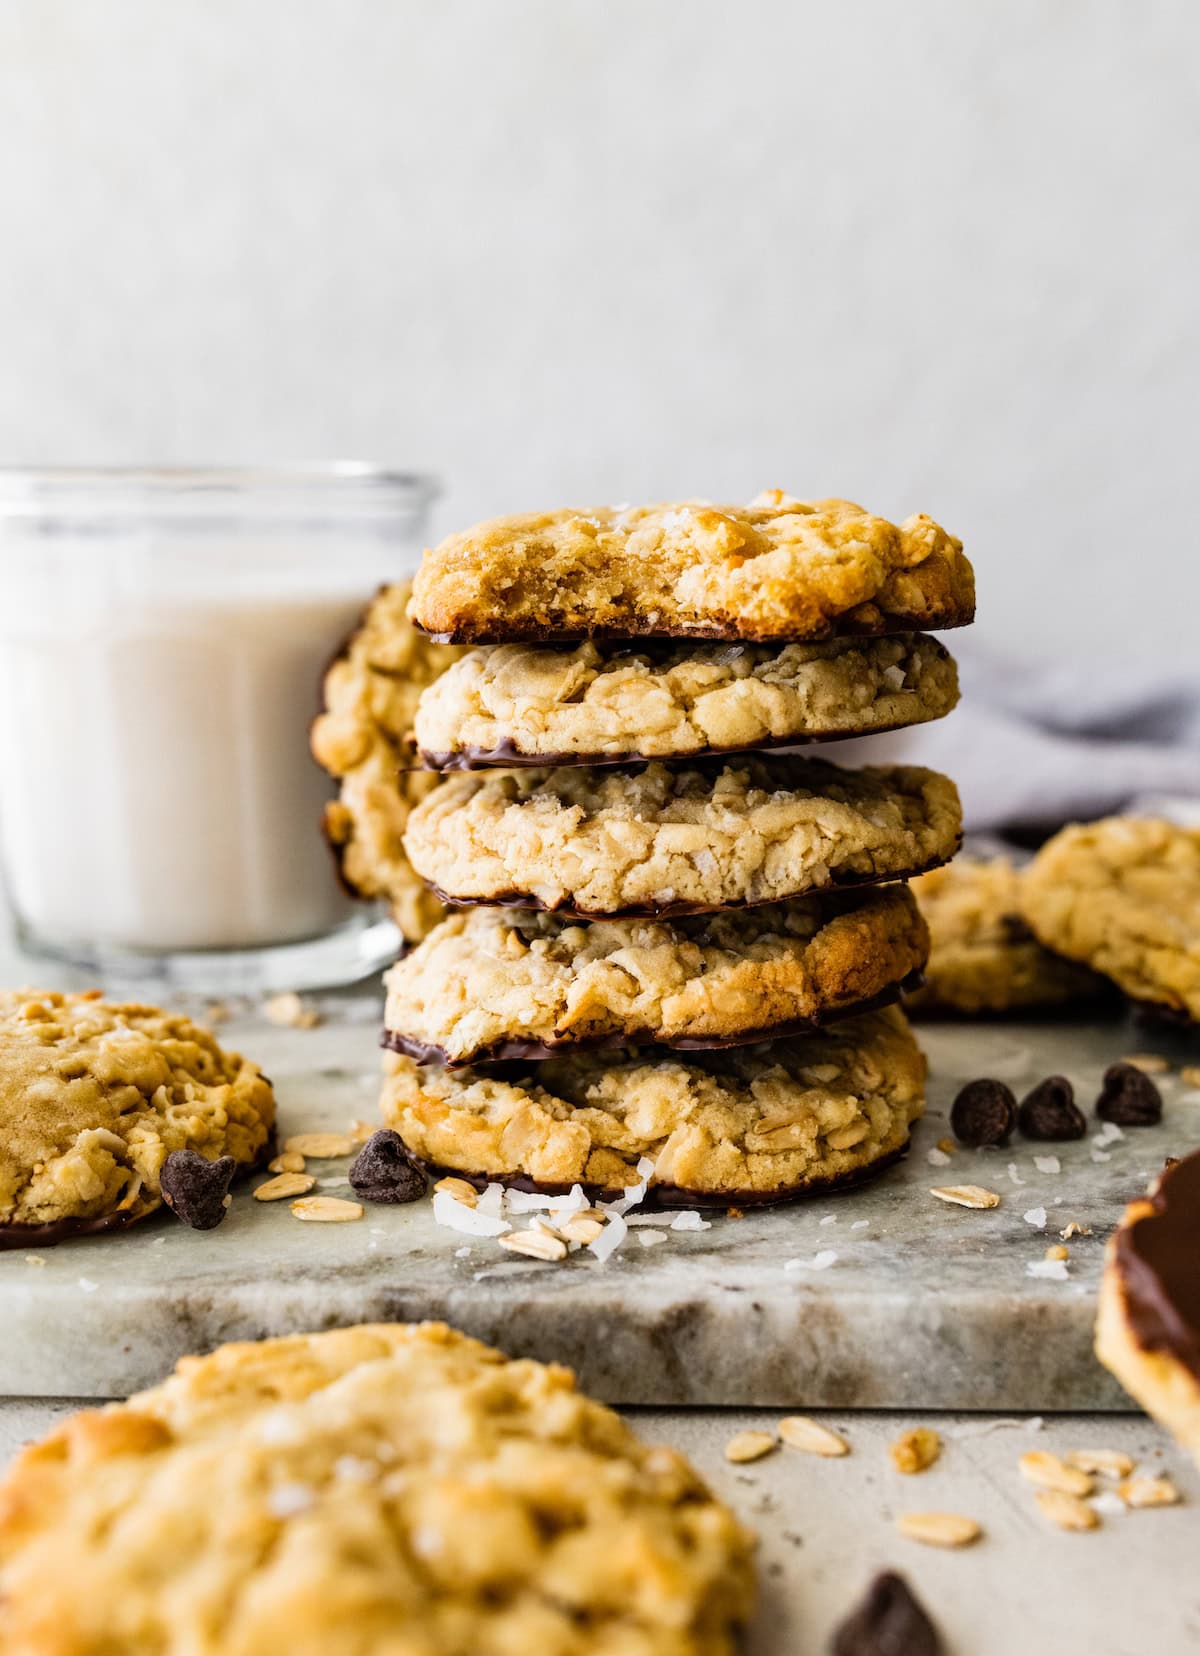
x: 668, y: 840
x: 97, y: 1097
x: 500, y: 984
x: 386, y: 1490
x: 752, y: 1124
x: 779, y: 570
x: 592, y: 704
x: 1148, y: 1328
x: 984, y: 959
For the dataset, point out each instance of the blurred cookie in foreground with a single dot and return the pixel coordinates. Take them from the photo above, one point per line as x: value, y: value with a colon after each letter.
x: 983, y: 958
x: 389, y: 1488
x: 107, y: 1109
x: 778, y: 569
x: 364, y: 739
x: 1122, y: 896
x: 751, y: 1125
x: 591, y: 704
x: 503, y: 984
x: 1148, y: 1329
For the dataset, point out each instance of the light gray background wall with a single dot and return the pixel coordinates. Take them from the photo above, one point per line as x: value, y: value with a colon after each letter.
x: 936, y: 255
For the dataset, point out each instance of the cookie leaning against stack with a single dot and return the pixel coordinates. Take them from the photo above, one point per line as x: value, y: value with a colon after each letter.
x: 638, y: 872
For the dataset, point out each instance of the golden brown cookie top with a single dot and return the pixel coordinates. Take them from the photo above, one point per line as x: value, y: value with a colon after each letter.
x: 383, y: 1490
x: 778, y: 569
x: 94, y: 1095
x: 1122, y: 895
x: 984, y: 958
x: 364, y: 738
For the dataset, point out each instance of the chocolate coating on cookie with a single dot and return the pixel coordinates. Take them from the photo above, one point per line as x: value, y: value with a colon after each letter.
x: 506, y: 756
x: 838, y: 880
x: 518, y: 1051
x: 668, y: 1196
x: 1157, y: 1258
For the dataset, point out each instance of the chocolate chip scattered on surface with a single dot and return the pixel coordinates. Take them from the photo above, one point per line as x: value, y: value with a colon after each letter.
x: 196, y: 1189
x: 1050, y: 1114
x: 1129, y: 1098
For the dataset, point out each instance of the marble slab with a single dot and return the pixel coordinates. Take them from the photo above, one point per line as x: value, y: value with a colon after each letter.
x: 924, y: 1305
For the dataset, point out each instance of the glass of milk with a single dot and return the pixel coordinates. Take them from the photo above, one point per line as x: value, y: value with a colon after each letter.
x: 163, y: 638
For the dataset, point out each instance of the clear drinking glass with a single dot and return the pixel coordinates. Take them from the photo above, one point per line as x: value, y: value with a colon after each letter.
x: 163, y: 637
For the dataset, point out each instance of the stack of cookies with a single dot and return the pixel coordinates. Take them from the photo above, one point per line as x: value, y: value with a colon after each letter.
x: 675, y: 941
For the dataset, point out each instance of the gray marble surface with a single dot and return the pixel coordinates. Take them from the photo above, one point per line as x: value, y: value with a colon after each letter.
x: 924, y: 1304
x: 1128, y: 1588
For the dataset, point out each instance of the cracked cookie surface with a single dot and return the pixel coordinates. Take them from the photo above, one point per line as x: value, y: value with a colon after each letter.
x: 777, y: 569
x: 364, y: 739
x: 1122, y: 896
x: 382, y: 1490
x: 94, y: 1095
x: 666, y: 840
x: 504, y: 983
x: 525, y: 703
x: 761, y: 1123
x: 983, y: 957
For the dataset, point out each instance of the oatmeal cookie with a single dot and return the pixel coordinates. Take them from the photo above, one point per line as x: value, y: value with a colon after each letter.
x: 777, y: 570
x: 984, y: 958
x: 663, y: 840
x: 1123, y: 896
x: 1148, y: 1329
x: 493, y: 984
x: 364, y: 738
x: 516, y: 704
x: 751, y: 1124
x: 94, y: 1096
x: 383, y: 1490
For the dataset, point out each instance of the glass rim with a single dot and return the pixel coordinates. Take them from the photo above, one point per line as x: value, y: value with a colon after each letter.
x: 30, y: 490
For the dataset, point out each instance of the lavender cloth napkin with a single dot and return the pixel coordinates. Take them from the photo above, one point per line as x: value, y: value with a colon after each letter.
x: 1035, y: 744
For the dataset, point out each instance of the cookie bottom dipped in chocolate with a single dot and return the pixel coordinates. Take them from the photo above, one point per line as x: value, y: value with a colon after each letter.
x: 494, y: 985
x: 668, y: 1196
x: 1148, y: 1328
x: 751, y: 1124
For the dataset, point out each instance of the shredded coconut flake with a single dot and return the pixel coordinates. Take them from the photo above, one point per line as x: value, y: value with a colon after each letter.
x: 1101, y: 1155
x: 1036, y: 1217
x: 491, y: 1202
x: 1054, y: 1270
x: 1047, y: 1164
x: 861, y: 1224
x: 690, y: 1220
x: 829, y: 1219
x: 819, y: 1262
x: 457, y: 1216
x: 1014, y: 1175
x: 611, y: 1237
x: 650, y: 1238
x: 1109, y: 1134
x: 937, y: 1158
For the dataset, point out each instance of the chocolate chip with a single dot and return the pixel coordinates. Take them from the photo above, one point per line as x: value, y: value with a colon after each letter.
x: 1129, y: 1097
x: 195, y: 1188
x: 384, y: 1171
x: 985, y: 1112
x: 1050, y: 1112
x: 888, y: 1622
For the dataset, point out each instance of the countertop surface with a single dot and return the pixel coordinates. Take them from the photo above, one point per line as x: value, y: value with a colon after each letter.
x: 923, y: 1305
